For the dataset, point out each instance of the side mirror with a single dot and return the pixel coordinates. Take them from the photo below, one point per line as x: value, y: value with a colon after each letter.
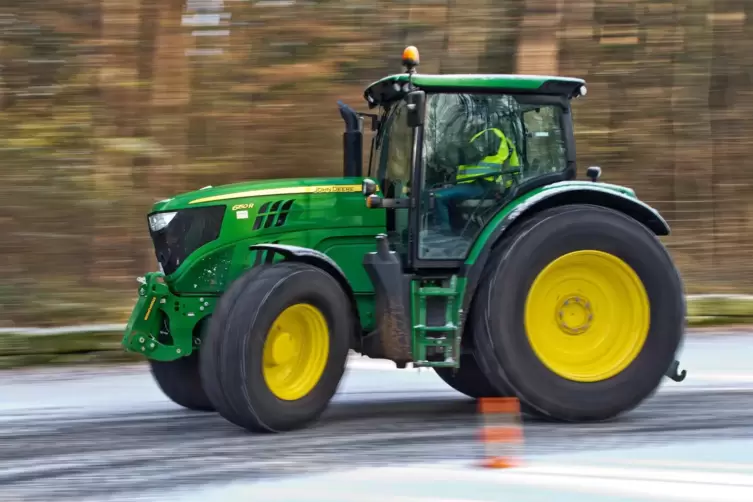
x: 593, y: 172
x: 368, y: 187
x: 416, y: 101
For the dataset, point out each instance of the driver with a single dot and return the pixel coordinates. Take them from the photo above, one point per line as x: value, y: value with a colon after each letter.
x: 470, y: 180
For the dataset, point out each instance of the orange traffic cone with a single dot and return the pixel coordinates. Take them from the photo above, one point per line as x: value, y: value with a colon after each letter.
x: 501, y: 432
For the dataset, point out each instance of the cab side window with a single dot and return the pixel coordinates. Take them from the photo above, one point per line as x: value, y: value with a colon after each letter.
x: 545, y: 144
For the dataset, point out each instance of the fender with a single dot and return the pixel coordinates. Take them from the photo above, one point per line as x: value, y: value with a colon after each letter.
x: 310, y: 257
x: 557, y: 194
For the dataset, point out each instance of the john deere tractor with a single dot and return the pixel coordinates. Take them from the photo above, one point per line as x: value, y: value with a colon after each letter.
x: 465, y: 245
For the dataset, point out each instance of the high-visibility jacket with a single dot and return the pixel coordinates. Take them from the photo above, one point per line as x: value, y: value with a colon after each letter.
x: 492, y: 163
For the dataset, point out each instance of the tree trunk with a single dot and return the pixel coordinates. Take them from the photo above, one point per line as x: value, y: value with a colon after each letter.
x: 538, y: 42
x: 693, y: 146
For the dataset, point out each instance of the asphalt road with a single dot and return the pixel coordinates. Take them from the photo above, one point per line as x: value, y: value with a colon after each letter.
x: 109, y: 434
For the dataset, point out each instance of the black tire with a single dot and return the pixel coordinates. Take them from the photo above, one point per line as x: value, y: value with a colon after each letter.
x: 505, y: 355
x: 468, y: 379
x: 180, y: 381
x: 498, y: 387
x: 239, y: 328
x: 210, y: 358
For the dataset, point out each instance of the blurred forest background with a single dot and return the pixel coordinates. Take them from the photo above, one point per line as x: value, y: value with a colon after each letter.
x: 109, y: 105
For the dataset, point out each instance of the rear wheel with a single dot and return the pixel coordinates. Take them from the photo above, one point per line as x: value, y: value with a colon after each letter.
x: 280, y: 340
x: 582, y: 314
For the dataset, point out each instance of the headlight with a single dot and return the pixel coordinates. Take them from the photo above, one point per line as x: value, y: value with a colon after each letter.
x: 159, y: 221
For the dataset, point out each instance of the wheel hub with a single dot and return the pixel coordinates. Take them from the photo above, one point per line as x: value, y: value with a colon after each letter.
x: 295, y: 352
x: 574, y: 315
x: 569, y: 338
x: 283, y: 348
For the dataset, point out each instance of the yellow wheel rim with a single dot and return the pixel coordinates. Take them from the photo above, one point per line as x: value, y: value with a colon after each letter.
x: 295, y: 352
x: 587, y: 316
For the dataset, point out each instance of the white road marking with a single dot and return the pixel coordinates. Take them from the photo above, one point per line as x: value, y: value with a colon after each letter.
x: 364, y: 363
x: 280, y: 493
x: 359, y: 484
x: 676, y: 464
x: 663, y: 483
x: 720, y: 377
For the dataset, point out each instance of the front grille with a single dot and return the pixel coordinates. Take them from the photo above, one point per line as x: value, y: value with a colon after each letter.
x: 187, y: 231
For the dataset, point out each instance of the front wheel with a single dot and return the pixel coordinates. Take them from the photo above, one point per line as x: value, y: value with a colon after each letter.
x: 582, y: 314
x: 468, y: 379
x: 179, y: 380
x: 278, y: 344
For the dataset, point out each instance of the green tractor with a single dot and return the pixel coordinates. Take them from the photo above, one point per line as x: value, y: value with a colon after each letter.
x: 467, y: 246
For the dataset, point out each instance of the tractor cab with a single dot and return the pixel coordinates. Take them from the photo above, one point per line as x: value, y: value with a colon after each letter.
x: 452, y: 154
x: 452, y: 150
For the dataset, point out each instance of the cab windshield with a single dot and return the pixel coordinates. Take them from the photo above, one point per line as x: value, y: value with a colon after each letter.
x: 383, y: 140
x: 391, y: 165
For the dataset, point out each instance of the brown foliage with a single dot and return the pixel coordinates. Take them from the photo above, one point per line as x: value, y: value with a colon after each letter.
x: 107, y: 106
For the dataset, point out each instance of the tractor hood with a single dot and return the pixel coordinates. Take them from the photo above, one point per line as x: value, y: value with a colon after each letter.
x: 237, y: 192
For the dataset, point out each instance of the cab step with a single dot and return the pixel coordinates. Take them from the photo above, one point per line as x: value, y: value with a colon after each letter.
x: 435, y: 312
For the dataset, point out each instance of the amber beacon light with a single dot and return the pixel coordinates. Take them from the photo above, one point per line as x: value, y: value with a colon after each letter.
x: 410, y: 58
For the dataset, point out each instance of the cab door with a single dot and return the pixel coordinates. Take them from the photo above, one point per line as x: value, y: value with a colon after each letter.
x: 394, y: 171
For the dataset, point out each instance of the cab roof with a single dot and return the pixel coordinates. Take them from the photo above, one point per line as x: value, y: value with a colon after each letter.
x: 394, y: 87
